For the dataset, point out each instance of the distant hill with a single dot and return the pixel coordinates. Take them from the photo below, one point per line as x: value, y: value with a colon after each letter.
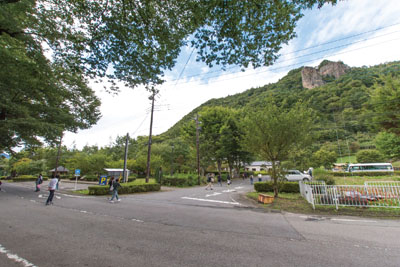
x: 338, y: 93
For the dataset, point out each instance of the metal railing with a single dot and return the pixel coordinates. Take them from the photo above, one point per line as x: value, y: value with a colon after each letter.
x: 371, y: 194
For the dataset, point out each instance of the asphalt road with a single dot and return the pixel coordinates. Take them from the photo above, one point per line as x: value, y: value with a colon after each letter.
x: 182, y: 227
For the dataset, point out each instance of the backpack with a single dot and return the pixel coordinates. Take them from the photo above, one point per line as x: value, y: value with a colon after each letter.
x: 40, y: 180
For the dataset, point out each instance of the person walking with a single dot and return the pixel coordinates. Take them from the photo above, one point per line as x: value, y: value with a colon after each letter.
x: 251, y: 179
x: 259, y: 177
x: 38, y: 182
x: 110, y: 186
x: 228, y: 179
x: 219, y: 179
x: 116, y: 185
x: 209, y: 182
x: 52, y: 188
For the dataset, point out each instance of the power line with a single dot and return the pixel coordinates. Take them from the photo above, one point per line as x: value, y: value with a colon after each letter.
x: 307, y: 48
x: 289, y: 66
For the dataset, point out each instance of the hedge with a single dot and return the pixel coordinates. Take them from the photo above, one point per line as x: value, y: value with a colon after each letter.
x: 179, y: 181
x: 285, y: 187
x: 397, y: 173
x: 125, y: 189
x: 27, y: 179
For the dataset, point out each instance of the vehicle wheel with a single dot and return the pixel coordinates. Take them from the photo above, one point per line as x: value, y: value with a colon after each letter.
x: 306, y: 180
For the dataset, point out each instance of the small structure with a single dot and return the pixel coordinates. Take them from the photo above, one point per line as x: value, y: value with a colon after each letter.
x: 4, y: 155
x: 257, y: 166
x: 339, y: 167
x: 117, y: 173
x: 60, y: 170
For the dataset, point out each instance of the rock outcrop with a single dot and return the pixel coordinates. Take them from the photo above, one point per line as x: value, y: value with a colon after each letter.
x: 313, y: 77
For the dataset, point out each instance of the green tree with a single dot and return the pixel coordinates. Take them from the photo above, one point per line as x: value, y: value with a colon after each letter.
x: 273, y: 132
x: 141, y: 39
x: 388, y: 144
x: 369, y: 156
x: 213, y: 120
x: 40, y: 98
x: 324, y: 157
x: 385, y: 102
x: 231, y: 140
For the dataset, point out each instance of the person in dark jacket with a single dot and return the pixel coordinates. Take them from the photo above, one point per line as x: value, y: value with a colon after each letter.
x: 116, y: 185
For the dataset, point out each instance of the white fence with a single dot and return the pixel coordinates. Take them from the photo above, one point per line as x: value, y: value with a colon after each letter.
x: 371, y: 194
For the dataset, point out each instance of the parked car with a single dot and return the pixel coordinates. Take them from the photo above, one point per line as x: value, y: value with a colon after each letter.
x: 296, y: 175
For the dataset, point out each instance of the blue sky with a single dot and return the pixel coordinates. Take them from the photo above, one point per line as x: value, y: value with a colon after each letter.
x: 357, y: 32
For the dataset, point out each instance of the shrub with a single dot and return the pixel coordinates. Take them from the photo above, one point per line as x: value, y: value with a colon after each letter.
x: 284, y: 187
x: 128, y: 188
x: 329, y: 180
x: 26, y: 178
x: 179, y: 181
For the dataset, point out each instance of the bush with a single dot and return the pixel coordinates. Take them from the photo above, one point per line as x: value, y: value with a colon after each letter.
x: 284, y: 187
x: 329, y: 180
x: 127, y: 188
x: 179, y: 181
x: 26, y: 178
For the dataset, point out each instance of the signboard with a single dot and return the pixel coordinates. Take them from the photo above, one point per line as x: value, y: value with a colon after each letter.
x: 103, y: 180
x: 77, y: 172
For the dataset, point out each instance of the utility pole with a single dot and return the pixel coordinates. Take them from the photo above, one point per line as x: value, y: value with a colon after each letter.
x: 197, y: 148
x: 125, y: 178
x: 58, y: 155
x: 151, y: 128
x: 172, y: 159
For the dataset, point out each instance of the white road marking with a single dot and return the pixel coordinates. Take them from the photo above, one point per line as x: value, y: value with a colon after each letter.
x: 58, y: 197
x: 238, y: 187
x: 210, y: 200
x: 15, y: 257
x: 83, y: 211
x: 74, y: 196
x: 214, y: 194
x: 33, y: 200
x: 351, y: 220
x: 136, y: 220
x: 229, y: 190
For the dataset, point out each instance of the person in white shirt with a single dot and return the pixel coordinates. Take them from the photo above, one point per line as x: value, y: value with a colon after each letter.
x: 52, y: 187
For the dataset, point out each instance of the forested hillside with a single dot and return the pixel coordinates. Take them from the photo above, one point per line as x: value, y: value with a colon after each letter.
x: 346, y: 116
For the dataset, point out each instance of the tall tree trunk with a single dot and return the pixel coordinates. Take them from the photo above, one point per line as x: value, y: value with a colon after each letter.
x: 275, y: 178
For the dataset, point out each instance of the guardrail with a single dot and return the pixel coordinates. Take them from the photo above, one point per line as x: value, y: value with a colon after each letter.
x: 371, y: 194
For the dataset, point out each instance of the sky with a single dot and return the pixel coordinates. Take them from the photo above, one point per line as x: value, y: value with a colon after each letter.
x: 357, y: 32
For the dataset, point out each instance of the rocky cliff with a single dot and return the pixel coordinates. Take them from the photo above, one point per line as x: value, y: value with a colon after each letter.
x: 313, y: 77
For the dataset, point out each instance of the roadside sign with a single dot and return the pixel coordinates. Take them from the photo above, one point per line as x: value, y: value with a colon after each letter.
x: 77, y: 172
x: 103, y: 180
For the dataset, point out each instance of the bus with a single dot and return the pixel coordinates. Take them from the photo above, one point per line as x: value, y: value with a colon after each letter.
x: 370, y: 167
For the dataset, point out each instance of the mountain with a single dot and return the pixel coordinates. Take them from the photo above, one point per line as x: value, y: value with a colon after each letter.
x: 339, y: 94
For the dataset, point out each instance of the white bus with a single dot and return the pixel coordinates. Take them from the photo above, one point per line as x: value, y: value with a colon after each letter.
x: 370, y: 167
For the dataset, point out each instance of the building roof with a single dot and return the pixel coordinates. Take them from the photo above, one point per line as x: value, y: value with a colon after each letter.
x: 115, y: 170
x: 60, y: 169
x: 260, y: 163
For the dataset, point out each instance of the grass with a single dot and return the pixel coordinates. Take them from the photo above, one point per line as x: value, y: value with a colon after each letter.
x: 359, y: 180
x: 294, y: 202
x: 347, y: 159
x: 82, y: 192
